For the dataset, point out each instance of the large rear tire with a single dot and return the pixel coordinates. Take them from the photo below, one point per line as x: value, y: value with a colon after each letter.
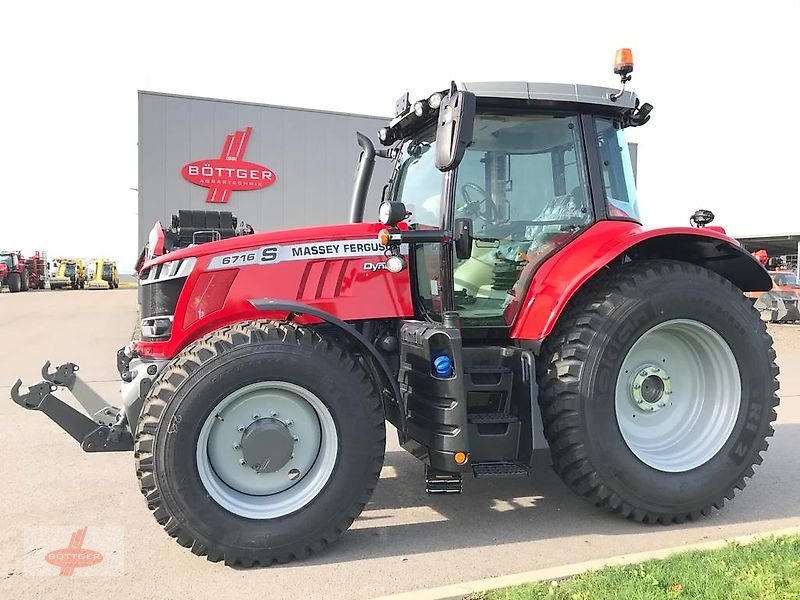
x: 25, y: 281
x: 658, y: 391
x: 260, y: 443
x: 14, y: 282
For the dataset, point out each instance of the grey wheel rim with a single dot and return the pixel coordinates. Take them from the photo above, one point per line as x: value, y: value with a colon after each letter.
x: 678, y: 395
x: 267, y: 450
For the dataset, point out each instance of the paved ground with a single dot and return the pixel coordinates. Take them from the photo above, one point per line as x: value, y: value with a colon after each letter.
x: 404, y: 540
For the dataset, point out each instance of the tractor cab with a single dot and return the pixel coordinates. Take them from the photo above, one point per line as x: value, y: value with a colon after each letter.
x: 543, y: 163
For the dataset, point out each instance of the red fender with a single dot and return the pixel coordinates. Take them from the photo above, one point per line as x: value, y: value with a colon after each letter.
x: 558, y: 278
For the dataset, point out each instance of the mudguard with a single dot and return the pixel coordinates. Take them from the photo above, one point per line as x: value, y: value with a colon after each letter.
x: 560, y: 277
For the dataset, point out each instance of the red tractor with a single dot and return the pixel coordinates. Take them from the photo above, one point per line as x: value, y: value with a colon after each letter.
x: 14, y: 272
x: 508, y: 300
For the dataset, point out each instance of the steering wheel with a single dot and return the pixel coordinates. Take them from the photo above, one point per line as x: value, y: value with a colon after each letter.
x: 472, y: 207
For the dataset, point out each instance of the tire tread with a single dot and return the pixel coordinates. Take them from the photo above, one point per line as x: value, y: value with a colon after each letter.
x: 563, y: 354
x: 179, y: 370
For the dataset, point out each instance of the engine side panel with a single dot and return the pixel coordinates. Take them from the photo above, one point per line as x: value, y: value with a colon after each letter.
x: 562, y: 275
x: 339, y: 270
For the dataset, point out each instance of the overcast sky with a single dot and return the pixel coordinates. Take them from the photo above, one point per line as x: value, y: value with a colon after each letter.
x: 721, y: 75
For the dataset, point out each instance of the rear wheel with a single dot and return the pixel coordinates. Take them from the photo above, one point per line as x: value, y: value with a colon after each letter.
x: 658, y: 391
x: 14, y: 282
x: 260, y: 443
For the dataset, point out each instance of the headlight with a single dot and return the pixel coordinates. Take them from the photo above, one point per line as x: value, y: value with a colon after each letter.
x: 419, y: 109
x: 434, y: 100
x: 154, y: 328
x: 391, y: 213
x: 395, y: 264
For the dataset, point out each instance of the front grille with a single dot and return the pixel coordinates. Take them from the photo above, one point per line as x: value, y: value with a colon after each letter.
x: 160, y: 297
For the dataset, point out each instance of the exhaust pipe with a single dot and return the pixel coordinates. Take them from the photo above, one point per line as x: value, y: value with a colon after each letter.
x: 366, y: 164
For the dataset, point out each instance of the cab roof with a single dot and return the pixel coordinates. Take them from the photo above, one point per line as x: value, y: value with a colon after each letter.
x: 550, y: 92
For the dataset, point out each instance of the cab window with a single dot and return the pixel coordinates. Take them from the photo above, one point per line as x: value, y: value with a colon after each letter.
x: 618, y: 179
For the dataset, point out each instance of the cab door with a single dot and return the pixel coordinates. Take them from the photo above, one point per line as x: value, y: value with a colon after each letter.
x: 524, y: 185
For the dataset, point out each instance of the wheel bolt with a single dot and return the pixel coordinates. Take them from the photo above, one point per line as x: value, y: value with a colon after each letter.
x: 236, y: 446
x: 662, y: 404
x: 296, y: 439
x: 273, y: 414
x: 241, y: 461
x: 240, y: 428
x: 643, y: 373
x: 255, y: 417
x: 637, y: 386
x: 290, y: 422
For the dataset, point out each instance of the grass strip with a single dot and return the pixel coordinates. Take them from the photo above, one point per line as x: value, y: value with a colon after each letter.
x: 766, y: 569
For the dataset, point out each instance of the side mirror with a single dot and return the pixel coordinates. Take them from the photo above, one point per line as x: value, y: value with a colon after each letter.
x: 462, y: 237
x: 454, y: 128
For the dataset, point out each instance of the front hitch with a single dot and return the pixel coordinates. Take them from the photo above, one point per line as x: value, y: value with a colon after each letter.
x: 106, y: 432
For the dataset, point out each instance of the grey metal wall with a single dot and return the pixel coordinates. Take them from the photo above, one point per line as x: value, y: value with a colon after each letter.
x: 313, y: 154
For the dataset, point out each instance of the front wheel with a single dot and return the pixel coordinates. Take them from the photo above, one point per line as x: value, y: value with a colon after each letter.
x: 25, y: 282
x: 14, y: 282
x: 658, y: 391
x: 259, y: 443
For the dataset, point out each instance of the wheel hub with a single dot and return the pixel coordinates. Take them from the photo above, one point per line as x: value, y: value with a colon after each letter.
x: 651, y: 388
x: 267, y: 449
x: 678, y: 395
x: 267, y: 445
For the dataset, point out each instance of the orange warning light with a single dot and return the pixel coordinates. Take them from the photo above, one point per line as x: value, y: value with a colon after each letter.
x: 623, y: 61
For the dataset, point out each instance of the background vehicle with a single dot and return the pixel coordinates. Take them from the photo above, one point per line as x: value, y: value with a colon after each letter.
x: 782, y: 303
x: 69, y: 272
x: 16, y: 271
x: 38, y: 271
x: 102, y: 274
x: 508, y: 300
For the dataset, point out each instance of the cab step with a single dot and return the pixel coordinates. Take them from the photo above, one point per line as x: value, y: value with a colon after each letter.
x: 499, y: 468
x: 442, y: 482
x: 491, y: 417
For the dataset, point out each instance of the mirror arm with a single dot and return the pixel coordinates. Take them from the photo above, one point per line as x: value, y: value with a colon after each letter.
x: 419, y: 236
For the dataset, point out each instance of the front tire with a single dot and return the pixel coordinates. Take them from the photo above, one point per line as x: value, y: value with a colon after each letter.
x: 658, y: 391
x: 25, y: 282
x: 272, y: 390
x: 14, y: 282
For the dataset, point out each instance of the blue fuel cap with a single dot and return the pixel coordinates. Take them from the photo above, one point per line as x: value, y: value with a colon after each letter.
x: 443, y: 366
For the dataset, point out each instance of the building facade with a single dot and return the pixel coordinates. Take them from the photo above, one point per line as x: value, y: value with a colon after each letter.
x: 275, y: 167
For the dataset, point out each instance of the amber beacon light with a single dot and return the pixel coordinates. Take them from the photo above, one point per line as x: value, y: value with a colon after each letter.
x: 623, y: 62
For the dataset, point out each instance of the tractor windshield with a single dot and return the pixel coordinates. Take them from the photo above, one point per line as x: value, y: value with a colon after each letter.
x: 7, y: 260
x: 419, y: 183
